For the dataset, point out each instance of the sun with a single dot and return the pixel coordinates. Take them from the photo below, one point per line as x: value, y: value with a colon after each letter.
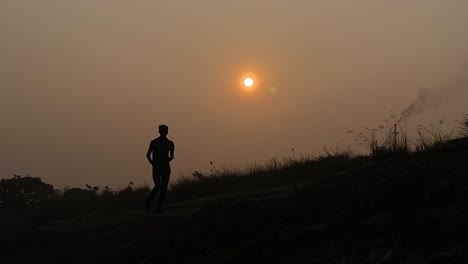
x: 249, y: 82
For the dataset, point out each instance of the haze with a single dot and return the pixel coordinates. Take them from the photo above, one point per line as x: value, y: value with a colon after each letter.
x: 84, y: 84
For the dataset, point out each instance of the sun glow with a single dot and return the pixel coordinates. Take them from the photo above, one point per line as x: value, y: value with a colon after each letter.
x: 248, y: 82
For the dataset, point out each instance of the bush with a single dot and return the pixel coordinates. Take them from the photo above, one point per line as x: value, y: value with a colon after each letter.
x: 22, y: 193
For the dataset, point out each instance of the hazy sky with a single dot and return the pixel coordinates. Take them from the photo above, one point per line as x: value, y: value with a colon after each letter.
x: 84, y: 84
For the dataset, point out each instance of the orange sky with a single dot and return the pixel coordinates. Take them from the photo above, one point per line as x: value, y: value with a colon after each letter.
x: 84, y: 84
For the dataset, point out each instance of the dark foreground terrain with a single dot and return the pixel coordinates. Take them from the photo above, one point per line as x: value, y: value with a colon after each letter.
x: 410, y: 208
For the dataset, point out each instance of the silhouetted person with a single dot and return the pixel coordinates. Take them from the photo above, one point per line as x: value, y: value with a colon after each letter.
x: 160, y: 153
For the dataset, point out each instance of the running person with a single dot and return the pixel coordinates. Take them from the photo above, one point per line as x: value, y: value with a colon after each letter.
x: 160, y: 153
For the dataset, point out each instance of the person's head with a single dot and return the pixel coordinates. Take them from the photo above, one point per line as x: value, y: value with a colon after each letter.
x: 163, y: 130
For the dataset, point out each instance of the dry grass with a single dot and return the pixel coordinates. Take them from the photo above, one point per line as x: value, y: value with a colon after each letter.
x: 384, y: 141
x: 272, y: 174
x: 464, y: 126
x: 390, y: 140
x: 432, y: 136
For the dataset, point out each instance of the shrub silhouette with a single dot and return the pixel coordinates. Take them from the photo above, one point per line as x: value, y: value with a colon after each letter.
x: 25, y: 192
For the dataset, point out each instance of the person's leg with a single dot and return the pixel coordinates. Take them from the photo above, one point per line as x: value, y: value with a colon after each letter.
x: 164, y: 184
x: 157, y: 186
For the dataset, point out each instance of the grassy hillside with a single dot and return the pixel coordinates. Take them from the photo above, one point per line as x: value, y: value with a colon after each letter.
x: 406, y: 209
x: 396, y: 205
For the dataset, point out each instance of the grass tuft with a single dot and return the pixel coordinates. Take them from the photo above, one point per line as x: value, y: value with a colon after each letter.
x: 384, y: 141
x: 464, y: 126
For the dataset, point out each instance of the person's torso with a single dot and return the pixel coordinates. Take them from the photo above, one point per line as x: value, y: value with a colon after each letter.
x: 161, y: 147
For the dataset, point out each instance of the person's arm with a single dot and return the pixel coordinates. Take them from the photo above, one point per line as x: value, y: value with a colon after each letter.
x: 148, y: 154
x: 171, y: 152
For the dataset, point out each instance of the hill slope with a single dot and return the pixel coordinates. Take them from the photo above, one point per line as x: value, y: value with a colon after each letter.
x: 405, y: 209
